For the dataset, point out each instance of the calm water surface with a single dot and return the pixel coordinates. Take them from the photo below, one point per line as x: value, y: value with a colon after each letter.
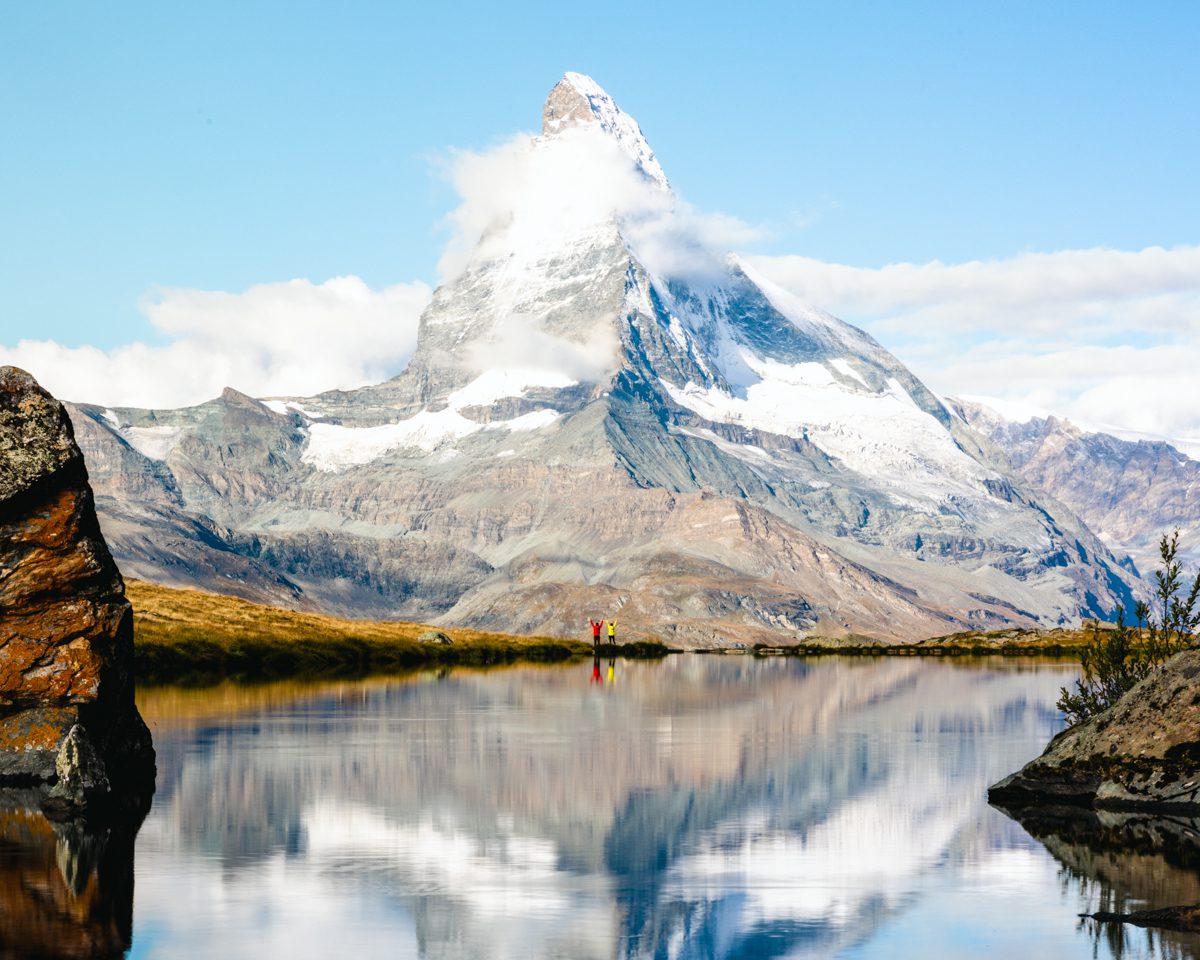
x: 708, y: 807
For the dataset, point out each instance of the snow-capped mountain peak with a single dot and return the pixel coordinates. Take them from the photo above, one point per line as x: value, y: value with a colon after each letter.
x: 604, y: 411
x: 578, y: 99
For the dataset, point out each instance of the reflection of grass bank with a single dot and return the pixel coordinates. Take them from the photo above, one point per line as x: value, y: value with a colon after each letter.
x: 1057, y: 642
x: 187, y: 635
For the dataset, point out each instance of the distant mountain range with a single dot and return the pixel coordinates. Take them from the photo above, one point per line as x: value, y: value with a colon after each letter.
x: 1130, y: 492
x: 591, y: 428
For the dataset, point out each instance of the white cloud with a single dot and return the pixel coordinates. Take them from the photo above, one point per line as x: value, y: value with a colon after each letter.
x: 1030, y: 292
x: 1108, y: 338
x: 530, y: 195
x: 518, y: 341
x: 294, y: 339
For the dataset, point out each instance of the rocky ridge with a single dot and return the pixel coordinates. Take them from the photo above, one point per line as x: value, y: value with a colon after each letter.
x: 1141, y: 753
x: 1129, y: 492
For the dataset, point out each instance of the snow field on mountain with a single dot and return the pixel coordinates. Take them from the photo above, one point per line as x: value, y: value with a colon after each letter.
x: 332, y: 447
x: 885, y: 436
x: 882, y: 434
x: 493, y: 385
x: 152, y: 442
x: 285, y: 407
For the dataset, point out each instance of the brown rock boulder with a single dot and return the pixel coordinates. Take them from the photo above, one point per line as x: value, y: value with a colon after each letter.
x: 66, y: 629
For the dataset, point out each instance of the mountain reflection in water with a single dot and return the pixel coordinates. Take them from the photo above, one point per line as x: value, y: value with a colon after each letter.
x: 709, y: 807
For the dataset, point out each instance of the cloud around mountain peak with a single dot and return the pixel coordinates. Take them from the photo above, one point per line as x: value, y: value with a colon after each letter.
x: 530, y: 196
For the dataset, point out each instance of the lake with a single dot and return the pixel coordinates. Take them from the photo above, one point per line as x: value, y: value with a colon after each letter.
x: 703, y: 806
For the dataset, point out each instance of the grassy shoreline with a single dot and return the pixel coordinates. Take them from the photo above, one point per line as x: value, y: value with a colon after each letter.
x: 188, y: 636
x: 183, y: 635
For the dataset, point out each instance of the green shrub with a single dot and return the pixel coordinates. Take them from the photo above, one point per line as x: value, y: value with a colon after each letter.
x: 1115, y: 661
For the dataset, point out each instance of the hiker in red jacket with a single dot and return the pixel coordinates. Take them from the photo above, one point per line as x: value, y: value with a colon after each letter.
x: 596, y: 627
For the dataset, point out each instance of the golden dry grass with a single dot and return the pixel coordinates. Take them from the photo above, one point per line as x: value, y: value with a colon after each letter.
x: 182, y: 634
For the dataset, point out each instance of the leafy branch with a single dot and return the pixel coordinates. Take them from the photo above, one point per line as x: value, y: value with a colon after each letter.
x: 1115, y: 661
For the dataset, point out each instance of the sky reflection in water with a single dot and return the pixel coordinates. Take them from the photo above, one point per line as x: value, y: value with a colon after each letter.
x: 702, y: 807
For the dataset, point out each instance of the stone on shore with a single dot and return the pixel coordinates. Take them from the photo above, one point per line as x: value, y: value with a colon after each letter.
x: 82, y: 778
x: 66, y: 629
x: 1185, y: 919
x: 1141, y: 753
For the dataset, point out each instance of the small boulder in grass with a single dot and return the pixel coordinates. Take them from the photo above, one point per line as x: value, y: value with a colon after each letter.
x: 82, y: 779
x: 436, y: 636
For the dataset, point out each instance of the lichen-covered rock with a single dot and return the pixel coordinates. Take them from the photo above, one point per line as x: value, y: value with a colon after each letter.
x: 1144, y: 751
x: 66, y: 629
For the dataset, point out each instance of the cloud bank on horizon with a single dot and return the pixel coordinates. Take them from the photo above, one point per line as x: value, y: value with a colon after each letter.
x: 1107, y: 338
x: 274, y: 339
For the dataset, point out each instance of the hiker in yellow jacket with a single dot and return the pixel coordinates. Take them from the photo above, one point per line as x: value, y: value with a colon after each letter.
x: 612, y: 631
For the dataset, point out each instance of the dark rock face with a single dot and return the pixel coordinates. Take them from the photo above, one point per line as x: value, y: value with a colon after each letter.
x: 1142, y: 753
x: 66, y: 629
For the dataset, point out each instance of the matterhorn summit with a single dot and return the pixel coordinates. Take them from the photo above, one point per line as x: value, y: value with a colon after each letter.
x: 603, y: 414
x: 577, y: 100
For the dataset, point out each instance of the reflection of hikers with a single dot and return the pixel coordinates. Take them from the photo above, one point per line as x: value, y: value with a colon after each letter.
x: 596, y: 625
x: 612, y: 631
x: 596, y: 669
x: 612, y: 673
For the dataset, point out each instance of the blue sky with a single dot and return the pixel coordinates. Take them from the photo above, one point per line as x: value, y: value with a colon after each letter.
x: 221, y: 145
x: 217, y: 146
